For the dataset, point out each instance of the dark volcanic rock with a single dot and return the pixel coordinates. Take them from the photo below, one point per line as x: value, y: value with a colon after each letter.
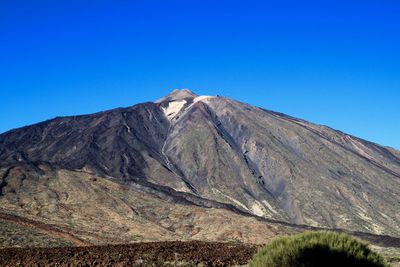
x: 113, y: 143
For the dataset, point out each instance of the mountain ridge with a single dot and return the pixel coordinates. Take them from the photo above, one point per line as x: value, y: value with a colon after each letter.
x: 218, y: 153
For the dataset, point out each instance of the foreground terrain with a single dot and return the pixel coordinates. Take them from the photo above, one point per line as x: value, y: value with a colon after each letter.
x: 142, y: 254
x: 174, y: 253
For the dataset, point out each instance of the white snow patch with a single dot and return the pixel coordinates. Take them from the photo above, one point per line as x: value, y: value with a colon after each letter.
x: 128, y: 128
x: 311, y: 222
x: 344, y: 218
x: 384, y: 215
x: 269, y: 206
x: 360, y: 148
x: 183, y: 188
x: 202, y: 98
x: 377, y: 228
x: 364, y: 216
x: 257, y: 209
x: 126, y: 158
x: 173, y: 108
x: 216, y: 191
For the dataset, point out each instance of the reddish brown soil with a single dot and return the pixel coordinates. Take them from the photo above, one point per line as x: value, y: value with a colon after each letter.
x: 53, y: 230
x: 140, y: 254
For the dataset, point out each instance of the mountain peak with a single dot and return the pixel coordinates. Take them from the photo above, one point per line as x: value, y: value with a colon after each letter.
x: 200, y: 151
x: 177, y: 95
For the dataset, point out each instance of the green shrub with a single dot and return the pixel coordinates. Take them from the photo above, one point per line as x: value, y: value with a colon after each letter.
x: 320, y: 248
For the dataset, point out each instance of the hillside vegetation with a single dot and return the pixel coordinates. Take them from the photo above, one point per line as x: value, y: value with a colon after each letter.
x: 320, y: 248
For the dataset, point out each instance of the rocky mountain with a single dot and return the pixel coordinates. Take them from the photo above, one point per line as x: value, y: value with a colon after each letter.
x: 192, y: 167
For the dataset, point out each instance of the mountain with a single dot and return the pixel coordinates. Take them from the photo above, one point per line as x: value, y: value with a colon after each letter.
x: 195, y: 167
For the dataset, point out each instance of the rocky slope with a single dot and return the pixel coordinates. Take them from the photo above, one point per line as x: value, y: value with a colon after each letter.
x: 208, y: 156
x: 85, y: 209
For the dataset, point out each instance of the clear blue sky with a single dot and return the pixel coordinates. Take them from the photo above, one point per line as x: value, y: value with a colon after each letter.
x: 331, y: 62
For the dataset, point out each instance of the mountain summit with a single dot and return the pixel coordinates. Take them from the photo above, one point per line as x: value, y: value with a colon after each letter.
x: 211, y: 157
x: 178, y: 95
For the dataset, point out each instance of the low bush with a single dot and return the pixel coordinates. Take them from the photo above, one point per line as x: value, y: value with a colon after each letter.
x: 321, y: 248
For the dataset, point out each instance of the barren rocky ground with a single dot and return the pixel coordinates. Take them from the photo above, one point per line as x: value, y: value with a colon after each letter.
x: 173, y: 253
x: 193, y: 253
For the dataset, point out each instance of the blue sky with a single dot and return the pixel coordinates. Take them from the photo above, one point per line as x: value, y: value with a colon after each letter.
x: 330, y: 62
